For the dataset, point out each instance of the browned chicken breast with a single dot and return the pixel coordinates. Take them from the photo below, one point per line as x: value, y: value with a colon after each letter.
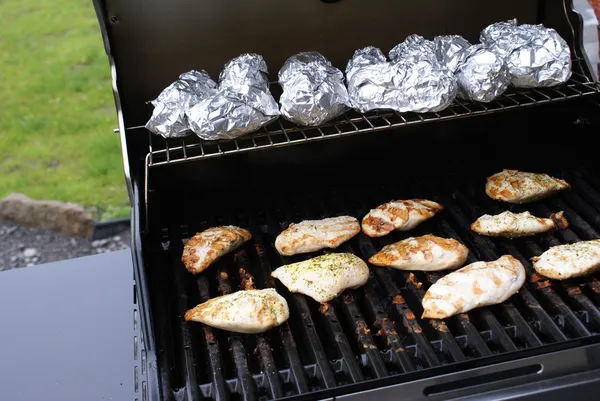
x: 476, y: 285
x: 324, y: 277
x: 313, y: 235
x: 250, y: 311
x: 513, y: 225
x: 572, y: 260
x: 205, y: 248
x: 426, y: 253
x: 515, y: 186
x: 401, y: 215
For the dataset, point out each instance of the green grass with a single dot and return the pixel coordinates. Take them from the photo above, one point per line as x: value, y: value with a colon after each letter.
x: 56, y: 107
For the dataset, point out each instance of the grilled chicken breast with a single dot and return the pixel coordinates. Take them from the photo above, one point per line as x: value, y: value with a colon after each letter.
x: 251, y: 311
x: 324, y: 277
x: 571, y: 260
x: 205, y: 248
x: 313, y: 235
x: 426, y: 253
x: 401, y: 215
x: 515, y: 186
x: 513, y: 225
x: 476, y: 285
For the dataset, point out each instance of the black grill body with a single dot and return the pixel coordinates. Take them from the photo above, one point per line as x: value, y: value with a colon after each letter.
x: 369, y: 342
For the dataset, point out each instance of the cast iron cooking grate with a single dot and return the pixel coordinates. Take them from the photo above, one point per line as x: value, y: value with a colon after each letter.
x: 375, y: 331
x: 284, y: 133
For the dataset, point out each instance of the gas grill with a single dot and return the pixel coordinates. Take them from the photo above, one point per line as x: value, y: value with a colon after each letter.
x: 369, y: 342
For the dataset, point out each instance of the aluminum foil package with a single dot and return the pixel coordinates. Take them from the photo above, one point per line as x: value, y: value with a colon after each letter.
x: 414, y: 81
x: 451, y: 50
x: 413, y: 45
x: 503, y: 37
x: 168, y: 117
x: 482, y: 75
x: 372, y: 81
x: 236, y: 110
x: 536, y: 56
x: 246, y: 69
x: 242, y: 104
x: 427, y: 84
x: 313, y: 90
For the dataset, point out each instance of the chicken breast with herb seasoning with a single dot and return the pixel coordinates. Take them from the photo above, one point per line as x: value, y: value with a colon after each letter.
x: 251, y: 311
x: 208, y: 246
x: 513, y: 225
x: 566, y: 261
x: 515, y: 186
x: 476, y: 285
x: 324, y: 277
x: 425, y: 253
x: 314, y: 235
x: 401, y: 215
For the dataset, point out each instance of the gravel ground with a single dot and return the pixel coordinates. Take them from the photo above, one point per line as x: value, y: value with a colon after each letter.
x: 23, y: 246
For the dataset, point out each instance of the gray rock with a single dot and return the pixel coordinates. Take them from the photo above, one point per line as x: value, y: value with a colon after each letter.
x: 99, y: 243
x: 73, y: 242
x: 66, y: 218
x: 14, y: 258
x: 116, y: 238
x: 30, y: 253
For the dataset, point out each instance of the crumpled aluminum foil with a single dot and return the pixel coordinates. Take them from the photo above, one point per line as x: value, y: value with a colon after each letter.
x: 413, y: 45
x: 414, y: 81
x: 482, y: 75
x: 235, y: 111
x: 168, y: 117
x: 372, y: 82
x: 427, y: 85
x: 451, y: 50
x: 246, y: 69
x: 313, y: 90
x: 242, y: 105
x: 536, y: 56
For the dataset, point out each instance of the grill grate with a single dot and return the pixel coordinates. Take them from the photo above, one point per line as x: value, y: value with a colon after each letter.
x: 283, y: 133
x: 375, y: 331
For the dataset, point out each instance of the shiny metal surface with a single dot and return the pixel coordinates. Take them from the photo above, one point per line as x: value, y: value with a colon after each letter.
x: 426, y: 84
x: 450, y: 50
x: 242, y: 104
x: 373, y: 82
x: 536, y: 56
x: 482, y: 76
x: 413, y: 46
x: 168, y: 117
x: 313, y: 90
